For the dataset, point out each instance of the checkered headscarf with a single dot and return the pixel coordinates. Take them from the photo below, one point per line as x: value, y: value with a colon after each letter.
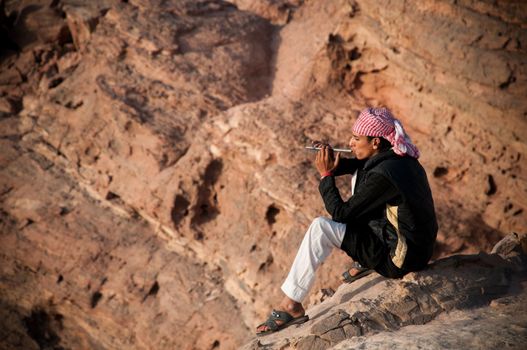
x: 379, y: 122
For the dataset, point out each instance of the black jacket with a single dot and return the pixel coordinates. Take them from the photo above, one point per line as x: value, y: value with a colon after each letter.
x: 393, y: 197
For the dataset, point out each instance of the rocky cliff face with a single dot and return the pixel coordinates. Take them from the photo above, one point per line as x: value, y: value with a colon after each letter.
x: 153, y: 185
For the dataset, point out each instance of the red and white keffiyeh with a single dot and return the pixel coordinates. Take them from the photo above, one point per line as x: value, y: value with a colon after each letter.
x: 379, y: 122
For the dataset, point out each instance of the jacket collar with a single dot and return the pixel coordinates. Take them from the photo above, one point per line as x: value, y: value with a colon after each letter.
x: 378, y: 158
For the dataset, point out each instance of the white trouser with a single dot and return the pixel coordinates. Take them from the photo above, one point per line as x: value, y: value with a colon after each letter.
x: 321, y: 237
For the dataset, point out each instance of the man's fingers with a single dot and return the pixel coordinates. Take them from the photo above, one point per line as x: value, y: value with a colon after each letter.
x: 331, y: 153
x: 326, y: 153
x: 317, y: 143
x: 337, y: 159
x: 319, y: 156
x: 326, y: 159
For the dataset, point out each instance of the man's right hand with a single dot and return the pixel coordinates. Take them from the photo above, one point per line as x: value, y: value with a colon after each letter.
x: 326, y: 161
x: 319, y: 144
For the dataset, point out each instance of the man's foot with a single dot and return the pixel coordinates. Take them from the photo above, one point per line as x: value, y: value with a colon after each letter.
x: 355, y: 272
x: 290, y: 313
x: 279, y: 320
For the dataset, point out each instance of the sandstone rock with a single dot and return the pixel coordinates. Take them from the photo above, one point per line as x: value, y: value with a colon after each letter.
x: 152, y: 176
x: 456, y: 330
x: 511, y: 244
x: 38, y: 22
x: 6, y: 106
x: 312, y: 342
x: 81, y: 23
x: 11, y: 77
x: 330, y: 323
x: 462, y: 285
x: 95, y: 279
x: 277, y: 11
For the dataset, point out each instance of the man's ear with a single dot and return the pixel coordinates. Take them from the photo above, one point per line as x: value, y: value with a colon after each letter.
x: 376, y: 142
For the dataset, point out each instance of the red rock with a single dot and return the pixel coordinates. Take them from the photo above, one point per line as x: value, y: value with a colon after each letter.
x: 165, y: 148
x: 81, y: 23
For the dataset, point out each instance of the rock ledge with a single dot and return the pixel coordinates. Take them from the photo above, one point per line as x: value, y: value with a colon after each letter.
x: 479, y: 294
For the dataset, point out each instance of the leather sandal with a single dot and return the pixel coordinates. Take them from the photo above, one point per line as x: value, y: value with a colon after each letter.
x: 347, y: 277
x: 285, y: 317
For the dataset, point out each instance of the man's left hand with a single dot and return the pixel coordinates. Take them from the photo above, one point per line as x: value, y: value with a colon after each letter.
x: 326, y: 161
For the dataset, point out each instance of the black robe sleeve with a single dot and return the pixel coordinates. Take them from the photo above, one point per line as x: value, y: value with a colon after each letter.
x: 375, y: 192
x: 348, y: 166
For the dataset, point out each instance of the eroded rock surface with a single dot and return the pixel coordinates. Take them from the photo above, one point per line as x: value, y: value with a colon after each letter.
x: 376, y: 312
x: 153, y: 186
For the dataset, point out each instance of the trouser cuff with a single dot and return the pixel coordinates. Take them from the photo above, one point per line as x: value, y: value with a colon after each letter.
x: 293, y: 291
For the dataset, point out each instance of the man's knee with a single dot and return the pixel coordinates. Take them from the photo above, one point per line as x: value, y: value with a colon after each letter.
x: 315, y: 229
x: 319, y: 227
x: 327, y: 231
x: 319, y: 222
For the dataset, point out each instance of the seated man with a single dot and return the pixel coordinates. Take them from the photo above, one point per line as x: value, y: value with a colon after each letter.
x: 388, y: 224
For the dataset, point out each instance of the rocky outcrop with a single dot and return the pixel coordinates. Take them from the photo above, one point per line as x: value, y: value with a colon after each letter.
x: 447, y: 305
x: 153, y: 186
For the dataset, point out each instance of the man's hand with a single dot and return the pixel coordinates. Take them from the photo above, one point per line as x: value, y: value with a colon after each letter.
x: 325, y: 160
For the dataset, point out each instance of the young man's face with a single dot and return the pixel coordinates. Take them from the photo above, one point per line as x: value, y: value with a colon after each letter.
x: 362, y: 147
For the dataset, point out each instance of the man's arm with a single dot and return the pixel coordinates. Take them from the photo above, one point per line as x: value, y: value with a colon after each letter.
x: 348, y: 166
x: 375, y: 192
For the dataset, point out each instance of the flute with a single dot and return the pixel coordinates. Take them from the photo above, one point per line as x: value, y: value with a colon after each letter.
x: 312, y: 148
